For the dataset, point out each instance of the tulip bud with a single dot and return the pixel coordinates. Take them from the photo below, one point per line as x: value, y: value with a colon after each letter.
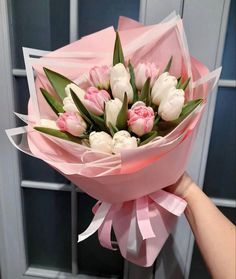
x: 161, y: 86
x: 123, y: 140
x: 76, y: 89
x: 112, y: 109
x: 95, y: 99
x: 72, y: 123
x: 68, y: 103
x: 140, y: 118
x: 100, y: 77
x: 120, y: 88
x: 144, y: 71
x: 171, y: 106
x: 48, y: 124
x: 101, y: 141
x: 120, y: 82
x: 118, y: 72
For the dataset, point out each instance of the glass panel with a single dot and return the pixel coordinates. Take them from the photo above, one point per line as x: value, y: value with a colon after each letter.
x: 32, y: 169
x: 93, y: 259
x: 229, y: 57
x: 48, y: 228
x: 220, y: 178
x: 38, y: 24
x: 198, y: 267
x: 94, y: 16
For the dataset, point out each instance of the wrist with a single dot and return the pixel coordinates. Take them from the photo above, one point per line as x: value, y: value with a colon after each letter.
x: 183, y: 188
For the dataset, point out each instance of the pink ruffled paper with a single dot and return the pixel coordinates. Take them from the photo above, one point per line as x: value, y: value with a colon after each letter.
x: 128, y: 186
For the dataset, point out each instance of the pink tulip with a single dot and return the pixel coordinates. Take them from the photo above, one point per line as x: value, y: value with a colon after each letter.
x: 95, y: 99
x: 140, y: 118
x: 72, y: 123
x: 144, y: 71
x: 100, y: 76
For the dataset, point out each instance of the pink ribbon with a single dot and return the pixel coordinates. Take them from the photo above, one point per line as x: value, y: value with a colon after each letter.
x: 140, y: 224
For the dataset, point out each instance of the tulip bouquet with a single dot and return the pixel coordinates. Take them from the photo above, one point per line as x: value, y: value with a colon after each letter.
x: 122, y: 108
x: 119, y: 120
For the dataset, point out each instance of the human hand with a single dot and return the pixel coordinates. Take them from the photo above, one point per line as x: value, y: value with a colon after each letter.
x: 182, y: 187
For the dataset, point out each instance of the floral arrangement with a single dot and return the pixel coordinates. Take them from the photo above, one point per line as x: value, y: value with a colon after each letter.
x: 122, y: 108
x: 119, y: 122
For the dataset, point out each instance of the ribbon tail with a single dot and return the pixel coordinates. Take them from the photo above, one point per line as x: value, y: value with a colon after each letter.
x: 97, y: 221
x: 104, y: 232
x: 143, y: 220
x: 134, y: 239
x: 170, y: 202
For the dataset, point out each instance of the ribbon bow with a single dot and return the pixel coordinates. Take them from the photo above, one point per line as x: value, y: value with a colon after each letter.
x: 140, y: 219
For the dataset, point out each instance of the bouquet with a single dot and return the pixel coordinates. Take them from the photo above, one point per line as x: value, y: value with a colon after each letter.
x: 117, y: 113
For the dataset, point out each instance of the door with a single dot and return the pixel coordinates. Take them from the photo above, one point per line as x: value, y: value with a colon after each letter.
x: 41, y: 213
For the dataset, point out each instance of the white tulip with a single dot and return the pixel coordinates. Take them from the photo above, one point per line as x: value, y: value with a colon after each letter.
x: 68, y: 103
x: 121, y: 87
x: 101, y: 141
x: 123, y: 140
x: 144, y: 70
x: 112, y: 109
x: 47, y: 123
x: 120, y: 82
x: 78, y: 91
x: 171, y: 106
x: 161, y: 87
x: 117, y: 72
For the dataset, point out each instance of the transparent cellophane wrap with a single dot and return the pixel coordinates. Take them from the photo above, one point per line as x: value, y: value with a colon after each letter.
x: 128, y: 186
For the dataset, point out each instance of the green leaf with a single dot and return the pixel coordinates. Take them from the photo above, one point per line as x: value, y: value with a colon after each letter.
x: 185, y: 84
x: 112, y: 129
x: 98, y: 121
x: 189, y: 107
x: 58, y: 82
x: 157, y: 118
x: 147, y: 137
x: 59, y: 134
x: 118, y: 55
x: 167, y: 68
x: 53, y: 103
x: 145, y: 92
x: 82, y: 109
x: 179, y: 82
x: 121, y: 122
x: 132, y: 82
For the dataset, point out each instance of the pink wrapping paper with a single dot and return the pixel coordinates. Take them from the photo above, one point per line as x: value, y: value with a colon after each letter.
x: 128, y: 185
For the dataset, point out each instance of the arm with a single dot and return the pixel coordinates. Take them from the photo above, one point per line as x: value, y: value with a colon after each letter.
x: 214, y: 233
